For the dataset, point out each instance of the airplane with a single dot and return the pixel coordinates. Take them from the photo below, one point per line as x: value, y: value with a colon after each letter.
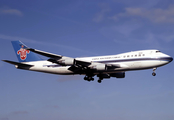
x: 103, y: 67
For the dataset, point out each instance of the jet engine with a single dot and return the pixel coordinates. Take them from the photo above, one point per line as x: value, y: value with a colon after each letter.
x: 118, y: 75
x: 100, y: 67
x: 67, y: 62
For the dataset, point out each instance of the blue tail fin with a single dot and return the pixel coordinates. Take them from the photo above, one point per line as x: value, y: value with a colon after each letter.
x: 22, y: 54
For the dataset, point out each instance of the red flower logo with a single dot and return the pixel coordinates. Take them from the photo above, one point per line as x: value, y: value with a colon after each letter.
x: 23, y: 53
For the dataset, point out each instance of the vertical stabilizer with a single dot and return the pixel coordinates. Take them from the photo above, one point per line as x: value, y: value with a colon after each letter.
x: 22, y: 54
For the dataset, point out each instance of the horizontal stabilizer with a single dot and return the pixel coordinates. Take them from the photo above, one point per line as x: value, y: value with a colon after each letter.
x: 17, y: 63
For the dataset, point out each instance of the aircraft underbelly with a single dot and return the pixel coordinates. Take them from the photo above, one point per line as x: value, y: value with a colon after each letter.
x: 138, y: 65
x: 144, y: 64
x: 53, y: 70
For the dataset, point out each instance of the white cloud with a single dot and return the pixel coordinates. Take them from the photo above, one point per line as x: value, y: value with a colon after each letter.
x: 9, y: 11
x: 126, y: 29
x: 152, y: 40
x: 130, y: 33
x: 101, y: 15
x: 156, y: 15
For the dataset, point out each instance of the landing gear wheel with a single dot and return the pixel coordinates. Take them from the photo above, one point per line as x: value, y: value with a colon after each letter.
x: 88, y: 78
x: 154, y: 74
x: 85, y: 78
x: 99, y: 81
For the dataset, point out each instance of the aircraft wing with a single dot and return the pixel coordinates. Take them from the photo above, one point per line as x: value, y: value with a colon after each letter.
x: 47, y: 54
x: 59, y: 58
x: 65, y: 61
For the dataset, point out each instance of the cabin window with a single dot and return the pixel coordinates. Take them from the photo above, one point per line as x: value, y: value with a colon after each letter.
x: 158, y: 51
x: 128, y: 56
x: 135, y: 55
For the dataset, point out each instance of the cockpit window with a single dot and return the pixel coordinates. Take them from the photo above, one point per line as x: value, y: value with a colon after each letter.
x: 158, y: 51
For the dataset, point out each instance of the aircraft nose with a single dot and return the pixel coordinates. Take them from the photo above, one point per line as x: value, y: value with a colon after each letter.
x: 170, y: 59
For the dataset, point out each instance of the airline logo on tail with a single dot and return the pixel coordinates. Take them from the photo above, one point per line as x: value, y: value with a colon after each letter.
x: 23, y: 53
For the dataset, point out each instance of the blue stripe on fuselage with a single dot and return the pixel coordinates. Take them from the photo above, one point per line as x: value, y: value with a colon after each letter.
x: 169, y: 59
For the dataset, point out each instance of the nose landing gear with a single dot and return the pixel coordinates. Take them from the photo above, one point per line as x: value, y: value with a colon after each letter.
x: 154, y: 74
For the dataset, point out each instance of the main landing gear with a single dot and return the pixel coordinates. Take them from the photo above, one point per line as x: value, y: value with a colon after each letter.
x: 89, y: 78
x: 100, y: 79
x: 154, y: 74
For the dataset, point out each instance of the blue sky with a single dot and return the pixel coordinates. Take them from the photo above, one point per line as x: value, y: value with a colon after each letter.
x: 81, y: 28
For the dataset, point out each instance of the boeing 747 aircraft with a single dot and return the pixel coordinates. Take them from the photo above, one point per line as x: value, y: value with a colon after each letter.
x: 102, y: 66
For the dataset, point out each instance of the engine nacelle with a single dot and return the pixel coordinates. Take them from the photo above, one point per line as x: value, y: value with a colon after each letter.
x: 118, y: 75
x: 100, y: 67
x: 67, y: 62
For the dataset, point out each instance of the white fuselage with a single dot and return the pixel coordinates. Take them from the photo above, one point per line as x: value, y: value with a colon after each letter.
x: 137, y: 60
